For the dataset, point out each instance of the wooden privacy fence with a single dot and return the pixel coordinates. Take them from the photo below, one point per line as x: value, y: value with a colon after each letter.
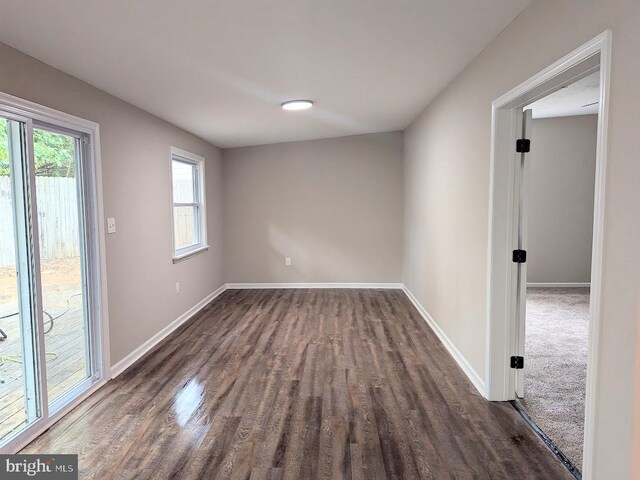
x: 183, y: 217
x: 57, y: 219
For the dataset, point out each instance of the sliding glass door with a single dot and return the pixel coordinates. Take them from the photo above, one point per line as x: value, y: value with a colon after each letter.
x: 20, y: 401
x: 48, y: 334
x: 59, y: 199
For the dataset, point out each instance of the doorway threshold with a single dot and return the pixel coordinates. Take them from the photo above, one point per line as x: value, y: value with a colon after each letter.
x: 573, y: 470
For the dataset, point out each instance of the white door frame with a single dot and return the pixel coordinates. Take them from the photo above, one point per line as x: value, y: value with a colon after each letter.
x: 96, y: 257
x: 501, y: 286
x: 522, y: 162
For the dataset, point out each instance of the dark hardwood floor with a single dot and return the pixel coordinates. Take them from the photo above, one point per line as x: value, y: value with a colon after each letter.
x: 288, y: 384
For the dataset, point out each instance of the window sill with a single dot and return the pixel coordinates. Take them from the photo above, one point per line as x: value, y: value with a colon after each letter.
x: 190, y: 253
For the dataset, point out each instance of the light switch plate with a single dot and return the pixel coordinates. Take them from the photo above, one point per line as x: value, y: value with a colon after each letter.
x: 111, y: 225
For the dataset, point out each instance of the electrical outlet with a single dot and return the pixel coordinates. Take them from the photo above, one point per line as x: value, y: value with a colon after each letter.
x: 177, y: 287
x: 111, y: 225
x: 287, y: 261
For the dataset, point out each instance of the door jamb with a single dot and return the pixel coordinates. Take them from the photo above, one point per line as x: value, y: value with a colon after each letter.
x: 500, y: 285
x: 14, y: 106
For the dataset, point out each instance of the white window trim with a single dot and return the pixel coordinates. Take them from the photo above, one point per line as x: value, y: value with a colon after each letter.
x: 186, y: 252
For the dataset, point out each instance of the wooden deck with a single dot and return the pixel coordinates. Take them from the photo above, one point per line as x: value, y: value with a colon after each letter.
x: 65, y: 352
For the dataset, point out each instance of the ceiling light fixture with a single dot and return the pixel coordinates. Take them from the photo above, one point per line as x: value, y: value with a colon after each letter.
x: 297, y: 105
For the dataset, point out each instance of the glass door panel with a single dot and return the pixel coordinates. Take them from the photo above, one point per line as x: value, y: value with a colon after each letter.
x: 19, y: 394
x: 46, y: 334
x: 59, y: 200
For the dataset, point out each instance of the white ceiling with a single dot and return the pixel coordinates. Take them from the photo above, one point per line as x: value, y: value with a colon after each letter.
x: 220, y: 68
x: 578, y: 98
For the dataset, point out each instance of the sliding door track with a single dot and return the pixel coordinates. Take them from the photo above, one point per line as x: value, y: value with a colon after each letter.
x: 573, y: 470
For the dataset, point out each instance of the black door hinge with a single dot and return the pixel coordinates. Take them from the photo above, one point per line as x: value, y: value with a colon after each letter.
x: 517, y: 363
x: 523, y: 145
x: 519, y: 256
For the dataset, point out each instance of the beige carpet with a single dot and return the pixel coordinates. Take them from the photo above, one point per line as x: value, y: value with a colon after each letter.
x: 556, y: 365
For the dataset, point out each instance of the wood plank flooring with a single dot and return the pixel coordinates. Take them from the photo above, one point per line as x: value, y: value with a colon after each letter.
x: 299, y: 384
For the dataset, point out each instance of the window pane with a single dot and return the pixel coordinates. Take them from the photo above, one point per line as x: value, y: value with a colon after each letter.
x: 15, y: 360
x: 62, y: 269
x: 183, y: 182
x: 185, y: 226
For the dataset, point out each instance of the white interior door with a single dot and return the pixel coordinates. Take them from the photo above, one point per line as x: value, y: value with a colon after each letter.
x: 523, y: 164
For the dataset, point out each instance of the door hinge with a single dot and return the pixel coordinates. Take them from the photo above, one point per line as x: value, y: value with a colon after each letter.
x: 517, y: 363
x: 519, y: 256
x: 523, y: 145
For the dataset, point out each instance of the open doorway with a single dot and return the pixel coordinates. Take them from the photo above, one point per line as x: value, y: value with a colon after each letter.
x: 509, y: 371
x: 558, y: 204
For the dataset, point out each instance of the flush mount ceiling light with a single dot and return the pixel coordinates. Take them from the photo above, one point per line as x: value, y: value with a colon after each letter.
x: 297, y: 105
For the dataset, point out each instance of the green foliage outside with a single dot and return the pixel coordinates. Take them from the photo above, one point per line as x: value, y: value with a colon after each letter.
x: 54, y: 153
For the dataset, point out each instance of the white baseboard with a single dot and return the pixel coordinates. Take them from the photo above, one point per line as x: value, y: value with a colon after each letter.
x: 139, y: 352
x: 560, y: 285
x: 448, y: 344
x: 244, y: 286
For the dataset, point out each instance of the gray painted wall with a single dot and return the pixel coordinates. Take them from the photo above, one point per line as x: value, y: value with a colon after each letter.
x: 446, y: 202
x: 136, y: 180
x: 562, y: 182
x: 334, y: 206
x: 447, y: 198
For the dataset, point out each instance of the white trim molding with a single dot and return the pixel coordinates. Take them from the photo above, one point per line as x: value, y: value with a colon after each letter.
x: 31, y: 114
x: 184, y: 256
x: 457, y: 355
x: 199, y: 202
x: 501, y: 336
x: 460, y: 359
x: 558, y: 285
x: 258, y: 286
x: 41, y: 113
x: 147, y: 346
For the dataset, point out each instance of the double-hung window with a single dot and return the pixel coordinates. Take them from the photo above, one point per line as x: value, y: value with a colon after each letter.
x: 189, y: 216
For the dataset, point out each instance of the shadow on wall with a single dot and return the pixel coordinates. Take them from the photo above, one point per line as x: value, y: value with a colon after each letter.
x: 334, y: 206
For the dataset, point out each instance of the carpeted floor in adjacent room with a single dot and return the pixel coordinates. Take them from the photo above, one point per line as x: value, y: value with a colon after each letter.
x: 556, y: 365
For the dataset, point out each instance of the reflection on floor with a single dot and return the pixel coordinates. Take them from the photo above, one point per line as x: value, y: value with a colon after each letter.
x: 287, y: 384
x: 556, y: 365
